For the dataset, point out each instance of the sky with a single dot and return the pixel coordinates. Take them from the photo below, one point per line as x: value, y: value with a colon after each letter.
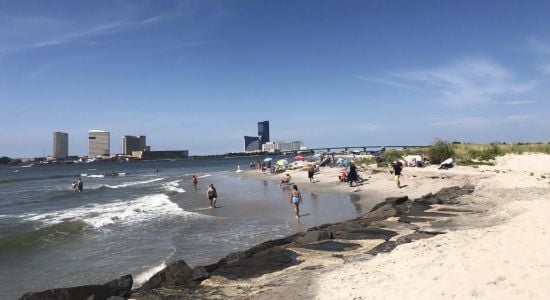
x: 200, y: 74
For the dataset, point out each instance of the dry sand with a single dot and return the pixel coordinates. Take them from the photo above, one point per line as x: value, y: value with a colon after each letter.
x: 499, y: 250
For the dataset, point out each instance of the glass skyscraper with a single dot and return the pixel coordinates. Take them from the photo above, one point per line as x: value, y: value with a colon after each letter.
x: 263, y: 132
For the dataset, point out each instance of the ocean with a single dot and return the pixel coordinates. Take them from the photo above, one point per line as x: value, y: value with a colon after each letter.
x: 137, y: 222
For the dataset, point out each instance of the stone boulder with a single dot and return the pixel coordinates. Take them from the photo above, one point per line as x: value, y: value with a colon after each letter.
x: 178, y: 274
x: 116, y: 288
x: 446, y: 195
x: 391, y: 207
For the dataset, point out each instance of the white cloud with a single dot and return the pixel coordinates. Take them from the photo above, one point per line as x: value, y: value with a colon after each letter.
x: 468, y: 81
x: 519, y: 102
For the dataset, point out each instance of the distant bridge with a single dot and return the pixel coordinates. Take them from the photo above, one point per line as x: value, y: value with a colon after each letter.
x: 364, y: 148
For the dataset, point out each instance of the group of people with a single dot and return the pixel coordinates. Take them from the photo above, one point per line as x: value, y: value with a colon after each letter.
x: 211, y: 192
x: 78, y: 185
x: 350, y: 176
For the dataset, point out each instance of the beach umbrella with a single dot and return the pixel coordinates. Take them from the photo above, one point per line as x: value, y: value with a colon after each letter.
x: 298, y: 157
x: 282, y: 162
x: 268, y: 159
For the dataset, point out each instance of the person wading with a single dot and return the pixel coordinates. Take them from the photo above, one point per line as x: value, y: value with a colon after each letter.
x: 212, y: 195
x: 296, y: 199
x: 195, y: 181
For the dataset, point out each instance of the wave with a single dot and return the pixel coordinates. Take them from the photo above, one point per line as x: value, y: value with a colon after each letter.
x: 92, y: 175
x: 131, y: 183
x: 204, y: 176
x: 173, y: 187
x: 46, y: 234
x: 123, y: 212
x: 142, y: 277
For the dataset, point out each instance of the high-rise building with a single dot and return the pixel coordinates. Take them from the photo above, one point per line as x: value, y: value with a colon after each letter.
x: 99, y: 143
x: 298, y: 145
x: 263, y: 132
x: 251, y: 143
x: 60, y: 145
x: 133, y: 143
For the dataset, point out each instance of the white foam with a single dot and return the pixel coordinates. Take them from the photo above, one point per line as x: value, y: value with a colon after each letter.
x: 204, y: 176
x: 141, y: 278
x: 126, y: 212
x: 127, y: 184
x: 96, y: 176
x: 173, y: 187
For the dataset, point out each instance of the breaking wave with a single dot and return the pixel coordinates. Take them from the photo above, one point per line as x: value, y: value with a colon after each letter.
x: 138, y: 210
x: 142, y: 277
x: 173, y: 187
x: 131, y: 183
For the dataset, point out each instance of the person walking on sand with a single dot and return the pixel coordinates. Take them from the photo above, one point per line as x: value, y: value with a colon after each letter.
x: 212, y: 195
x: 296, y: 199
x: 397, y: 168
x: 352, y: 174
x: 310, y: 171
x: 195, y: 181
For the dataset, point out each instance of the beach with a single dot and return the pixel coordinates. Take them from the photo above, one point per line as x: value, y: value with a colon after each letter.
x: 493, y: 247
x: 466, y: 232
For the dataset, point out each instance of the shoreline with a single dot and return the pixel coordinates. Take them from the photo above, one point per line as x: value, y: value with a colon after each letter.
x: 300, y: 265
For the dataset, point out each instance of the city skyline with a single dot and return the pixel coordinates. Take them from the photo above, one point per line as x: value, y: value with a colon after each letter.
x: 198, y: 73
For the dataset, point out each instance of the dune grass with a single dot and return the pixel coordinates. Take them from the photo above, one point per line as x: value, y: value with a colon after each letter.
x: 467, y: 154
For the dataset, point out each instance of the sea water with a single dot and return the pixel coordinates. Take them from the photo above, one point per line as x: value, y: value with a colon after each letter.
x: 139, y: 220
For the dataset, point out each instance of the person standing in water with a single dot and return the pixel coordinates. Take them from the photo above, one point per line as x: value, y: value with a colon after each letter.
x: 80, y: 185
x: 212, y: 195
x: 296, y: 199
x: 195, y: 181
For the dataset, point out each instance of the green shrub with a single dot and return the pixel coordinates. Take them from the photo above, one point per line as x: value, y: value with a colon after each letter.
x: 392, y: 155
x: 365, y: 161
x: 440, y: 151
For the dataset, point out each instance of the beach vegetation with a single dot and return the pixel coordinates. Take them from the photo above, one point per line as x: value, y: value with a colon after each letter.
x: 393, y: 155
x: 440, y: 151
x: 365, y: 161
x: 4, y: 160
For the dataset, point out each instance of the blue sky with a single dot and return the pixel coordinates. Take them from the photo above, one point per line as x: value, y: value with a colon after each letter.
x: 199, y: 75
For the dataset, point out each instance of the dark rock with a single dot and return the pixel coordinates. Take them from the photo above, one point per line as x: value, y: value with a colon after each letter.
x: 119, y: 287
x: 409, y: 220
x: 382, y: 248
x: 200, y: 273
x: 389, y: 208
x: 446, y: 195
x: 267, y: 261
x: 315, y: 267
x: 314, y: 236
x: 177, y: 274
x: 332, y: 246
x: 366, y: 233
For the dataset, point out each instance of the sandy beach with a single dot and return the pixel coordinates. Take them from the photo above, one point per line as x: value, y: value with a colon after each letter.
x: 463, y: 233
x: 494, y: 246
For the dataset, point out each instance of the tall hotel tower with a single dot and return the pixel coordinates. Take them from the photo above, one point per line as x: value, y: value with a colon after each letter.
x: 60, y: 145
x: 263, y: 132
x: 99, y: 143
x: 132, y: 143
